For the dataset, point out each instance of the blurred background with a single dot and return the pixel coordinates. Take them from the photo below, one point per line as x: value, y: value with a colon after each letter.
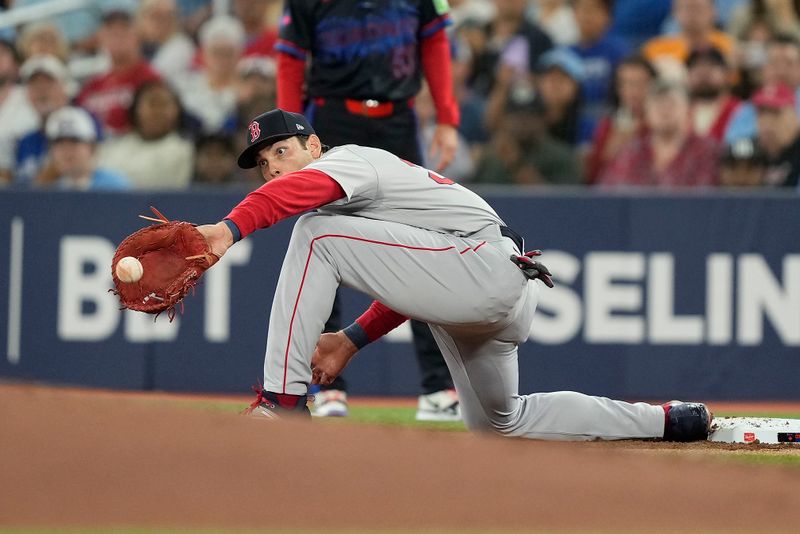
x: 650, y: 147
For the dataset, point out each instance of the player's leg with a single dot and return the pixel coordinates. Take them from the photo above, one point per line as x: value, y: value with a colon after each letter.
x: 485, y: 372
x: 434, y: 277
x: 331, y: 400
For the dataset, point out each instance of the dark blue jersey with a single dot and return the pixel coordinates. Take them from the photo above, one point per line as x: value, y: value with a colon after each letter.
x: 361, y: 49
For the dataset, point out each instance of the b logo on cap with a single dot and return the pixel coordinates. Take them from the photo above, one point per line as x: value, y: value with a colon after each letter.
x: 255, y: 131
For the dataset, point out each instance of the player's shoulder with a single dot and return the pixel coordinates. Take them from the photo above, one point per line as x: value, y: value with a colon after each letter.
x: 357, y: 152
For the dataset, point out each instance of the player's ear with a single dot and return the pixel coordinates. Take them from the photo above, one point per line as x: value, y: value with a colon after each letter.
x: 314, y: 145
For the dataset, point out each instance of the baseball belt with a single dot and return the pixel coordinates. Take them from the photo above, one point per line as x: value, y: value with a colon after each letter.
x: 518, y: 240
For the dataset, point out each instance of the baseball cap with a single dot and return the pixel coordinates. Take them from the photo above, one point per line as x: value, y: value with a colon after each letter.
x: 44, y: 64
x: 269, y: 128
x: 774, y: 96
x: 71, y: 123
x: 710, y: 53
x: 744, y: 150
x: 564, y: 59
x: 256, y: 65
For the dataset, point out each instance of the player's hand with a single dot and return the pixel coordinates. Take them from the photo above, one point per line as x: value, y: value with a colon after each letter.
x: 443, y: 145
x: 333, y: 353
x: 218, y: 236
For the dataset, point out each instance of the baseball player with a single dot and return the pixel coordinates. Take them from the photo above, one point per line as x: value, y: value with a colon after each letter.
x: 367, y: 60
x: 422, y: 247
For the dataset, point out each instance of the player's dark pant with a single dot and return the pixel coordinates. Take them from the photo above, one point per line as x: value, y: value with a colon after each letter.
x: 396, y: 133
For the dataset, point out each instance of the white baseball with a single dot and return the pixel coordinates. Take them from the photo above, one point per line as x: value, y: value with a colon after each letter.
x: 129, y: 270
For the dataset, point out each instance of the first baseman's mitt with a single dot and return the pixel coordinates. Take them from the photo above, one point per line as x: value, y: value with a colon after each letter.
x: 173, y: 255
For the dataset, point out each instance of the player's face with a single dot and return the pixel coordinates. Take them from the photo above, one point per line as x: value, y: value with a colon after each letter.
x: 287, y: 156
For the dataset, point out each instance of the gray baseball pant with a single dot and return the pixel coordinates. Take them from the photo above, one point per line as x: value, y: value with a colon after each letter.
x: 479, y: 305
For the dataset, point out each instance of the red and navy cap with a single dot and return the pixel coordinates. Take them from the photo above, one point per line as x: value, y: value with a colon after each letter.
x: 269, y: 128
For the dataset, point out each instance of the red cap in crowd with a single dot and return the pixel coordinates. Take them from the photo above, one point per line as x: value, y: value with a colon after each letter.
x: 774, y: 96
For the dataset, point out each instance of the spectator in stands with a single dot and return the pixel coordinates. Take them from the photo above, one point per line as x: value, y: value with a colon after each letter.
x: 779, y: 134
x: 696, y: 19
x: 47, y: 83
x: 167, y: 47
x: 17, y: 116
x: 782, y: 67
x: 72, y: 136
x: 557, y: 19
x: 671, y: 155
x: 260, y: 37
x: 560, y: 73
x: 43, y: 38
x: 601, y: 53
x: 154, y: 155
x: 108, y: 96
x: 210, y: 94
x: 78, y: 25
x: 256, y: 89
x: 215, y: 163
x: 712, y: 104
x: 193, y: 14
x: 472, y: 108
x: 523, y: 152
x: 743, y: 165
x: 780, y: 17
x: 511, y: 34
x: 626, y: 122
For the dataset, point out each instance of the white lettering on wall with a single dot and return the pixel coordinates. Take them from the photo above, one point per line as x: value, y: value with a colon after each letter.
x: 610, y: 309
x: 761, y: 296
x: 218, y: 291
x: 560, y: 312
x: 664, y: 326
x: 605, y: 296
x: 719, y: 299
x: 143, y: 327
x: 86, y: 310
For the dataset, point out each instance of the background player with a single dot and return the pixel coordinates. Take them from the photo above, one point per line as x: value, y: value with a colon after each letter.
x: 367, y: 61
x: 437, y: 268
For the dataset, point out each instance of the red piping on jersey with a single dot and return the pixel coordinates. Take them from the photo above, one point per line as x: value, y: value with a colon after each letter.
x: 473, y: 249
x: 305, y: 272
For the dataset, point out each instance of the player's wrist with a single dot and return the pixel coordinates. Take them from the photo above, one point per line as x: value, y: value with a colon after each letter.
x: 356, y: 334
x: 236, y: 234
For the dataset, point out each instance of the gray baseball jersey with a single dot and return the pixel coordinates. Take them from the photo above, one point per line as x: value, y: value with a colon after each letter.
x: 379, y: 185
x: 431, y: 250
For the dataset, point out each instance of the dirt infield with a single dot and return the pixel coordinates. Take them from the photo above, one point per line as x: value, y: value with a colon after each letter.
x: 71, y: 458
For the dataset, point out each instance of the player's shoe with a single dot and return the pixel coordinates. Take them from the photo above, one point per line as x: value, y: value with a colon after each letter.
x: 439, y: 406
x: 686, y: 421
x: 276, y: 406
x: 330, y: 403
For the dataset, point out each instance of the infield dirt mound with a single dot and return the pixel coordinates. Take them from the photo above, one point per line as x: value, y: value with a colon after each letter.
x: 83, y: 459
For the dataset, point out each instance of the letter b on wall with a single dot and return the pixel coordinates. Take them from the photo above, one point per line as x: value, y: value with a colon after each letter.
x: 86, y: 310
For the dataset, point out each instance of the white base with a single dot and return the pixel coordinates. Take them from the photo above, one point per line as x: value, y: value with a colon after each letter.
x: 755, y: 429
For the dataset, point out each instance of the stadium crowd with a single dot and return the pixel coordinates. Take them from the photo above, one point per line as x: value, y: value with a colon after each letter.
x: 156, y: 94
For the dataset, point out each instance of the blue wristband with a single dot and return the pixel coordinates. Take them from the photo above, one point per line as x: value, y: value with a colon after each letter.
x: 237, y: 234
x: 357, y: 335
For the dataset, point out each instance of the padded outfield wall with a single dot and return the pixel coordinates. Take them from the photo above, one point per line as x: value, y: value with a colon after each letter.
x: 658, y: 297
